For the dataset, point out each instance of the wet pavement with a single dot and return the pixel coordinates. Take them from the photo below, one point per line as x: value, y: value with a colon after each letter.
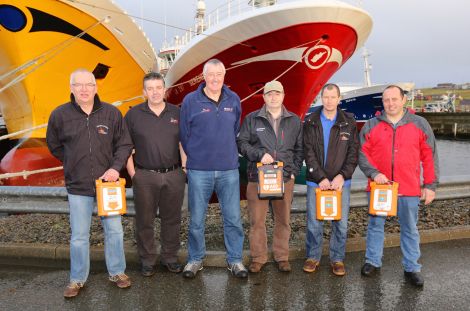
x: 445, y: 268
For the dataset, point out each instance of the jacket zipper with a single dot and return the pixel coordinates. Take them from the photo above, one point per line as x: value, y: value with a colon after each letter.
x: 275, y: 137
x: 89, y: 148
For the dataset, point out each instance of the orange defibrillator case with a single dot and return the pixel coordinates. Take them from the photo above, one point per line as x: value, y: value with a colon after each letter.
x: 270, y: 180
x: 111, y: 197
x: 328, y: 204
x: 383, y: 199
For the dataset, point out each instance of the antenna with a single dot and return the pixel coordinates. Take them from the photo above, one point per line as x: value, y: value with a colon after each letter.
x: 367, y: 66
x: 142, y: 15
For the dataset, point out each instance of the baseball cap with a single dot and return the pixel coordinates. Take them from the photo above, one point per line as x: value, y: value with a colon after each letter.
x: 273, y: 86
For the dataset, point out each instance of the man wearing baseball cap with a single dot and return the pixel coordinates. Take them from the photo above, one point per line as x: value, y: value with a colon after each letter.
x: 268, y: 135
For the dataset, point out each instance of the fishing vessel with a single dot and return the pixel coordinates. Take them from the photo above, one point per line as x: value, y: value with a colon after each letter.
x: 41, y: 43
x: 364, y: 101
x: 299, y: 43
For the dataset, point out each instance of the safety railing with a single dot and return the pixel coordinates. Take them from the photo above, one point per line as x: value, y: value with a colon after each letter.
x: 53, y: 200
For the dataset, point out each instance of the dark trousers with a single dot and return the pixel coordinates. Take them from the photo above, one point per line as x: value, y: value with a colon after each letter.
x: 163, y: 191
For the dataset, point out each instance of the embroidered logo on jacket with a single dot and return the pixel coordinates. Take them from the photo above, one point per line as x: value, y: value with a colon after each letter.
x: 102, y: 129
x: 344, y: 136
x: 228, y: 109
x: 173, y: 120
x: 205, y: 110
x: 260, y: 129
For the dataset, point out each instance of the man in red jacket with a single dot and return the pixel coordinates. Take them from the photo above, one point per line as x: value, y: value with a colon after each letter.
x: 394, y: 146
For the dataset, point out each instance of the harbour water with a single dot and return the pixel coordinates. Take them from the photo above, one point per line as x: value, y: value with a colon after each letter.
x: 454, y: 164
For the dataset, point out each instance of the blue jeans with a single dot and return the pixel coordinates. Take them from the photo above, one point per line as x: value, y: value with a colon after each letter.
x: 339, y: 228
x: 409, y: 235
x: 81, y: 209
x: 226, y: 184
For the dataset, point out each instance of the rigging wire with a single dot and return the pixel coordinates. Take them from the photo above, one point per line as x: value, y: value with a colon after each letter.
x: 194, y: 32
x: 43, y: 58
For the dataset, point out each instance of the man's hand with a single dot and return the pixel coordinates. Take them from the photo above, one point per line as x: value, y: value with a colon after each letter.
x: 324, y: 184
x: 131, y: 173
x: 428, y: 196
x: 381, y: 179
x: 110, y: 175
x: 267, y: 159
x: 337, y: 182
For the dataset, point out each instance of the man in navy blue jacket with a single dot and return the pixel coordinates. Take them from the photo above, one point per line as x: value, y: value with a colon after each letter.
x: 209, y: 124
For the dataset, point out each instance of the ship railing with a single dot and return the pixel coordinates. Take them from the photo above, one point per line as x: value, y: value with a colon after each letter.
x: 53, y: 200
x: 229, y: 9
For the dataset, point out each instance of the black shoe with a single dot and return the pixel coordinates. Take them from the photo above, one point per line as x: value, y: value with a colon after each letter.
x: 172, y: 267
x: 415, y: 278
x: 148, y: 270
x: 368, y: 269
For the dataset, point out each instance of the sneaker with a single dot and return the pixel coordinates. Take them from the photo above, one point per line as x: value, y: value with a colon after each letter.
x: 72, y: 289
x: 415, y: 278
x: 311, y: 265
x: 172, y: 266
x: 238, y: 270
x: 338, y: 268
x: 283, y: 266
x: 121, y: 280
x: 191, y: 269
x: 255, y: 267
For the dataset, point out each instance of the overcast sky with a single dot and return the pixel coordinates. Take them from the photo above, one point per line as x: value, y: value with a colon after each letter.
x: 421, y: 41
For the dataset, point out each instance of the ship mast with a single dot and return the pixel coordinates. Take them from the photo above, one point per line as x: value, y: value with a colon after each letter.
x: 200, y: 14
x: 367, y: 67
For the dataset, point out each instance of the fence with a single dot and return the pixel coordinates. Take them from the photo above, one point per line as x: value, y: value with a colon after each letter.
x: 53, y: 200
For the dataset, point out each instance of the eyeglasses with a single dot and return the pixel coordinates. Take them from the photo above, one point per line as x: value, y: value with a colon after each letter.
x: 83, y: 85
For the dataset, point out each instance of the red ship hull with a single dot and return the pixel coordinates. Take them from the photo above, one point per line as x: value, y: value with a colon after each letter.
x: 301, y: 44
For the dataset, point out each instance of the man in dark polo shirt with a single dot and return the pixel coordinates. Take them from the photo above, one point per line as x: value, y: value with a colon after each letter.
x: 157, y: 176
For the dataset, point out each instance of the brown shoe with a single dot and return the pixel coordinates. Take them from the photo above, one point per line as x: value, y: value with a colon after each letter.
x: 338, y: 268
x: 72, y: 289
x: 255, y: 267
x: 121, y: 280
x: 283, y: 266
x: 311, y: 265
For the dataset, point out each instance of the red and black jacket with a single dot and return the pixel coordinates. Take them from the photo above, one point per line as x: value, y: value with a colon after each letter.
x: 398, y: 151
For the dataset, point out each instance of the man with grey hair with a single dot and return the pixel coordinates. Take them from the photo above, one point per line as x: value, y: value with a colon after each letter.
x: 91, y: 139
x: 209, y: 124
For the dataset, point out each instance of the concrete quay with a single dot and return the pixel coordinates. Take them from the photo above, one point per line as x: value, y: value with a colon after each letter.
x: 50, y: 255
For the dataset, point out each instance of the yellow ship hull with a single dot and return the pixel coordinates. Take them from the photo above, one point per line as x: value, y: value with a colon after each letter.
x: 41, y: 43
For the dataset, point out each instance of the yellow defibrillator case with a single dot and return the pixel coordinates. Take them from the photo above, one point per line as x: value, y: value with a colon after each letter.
x: 270, y: 180
x: 328, y: 204
x: 383, y: 199
x: 111, y: 197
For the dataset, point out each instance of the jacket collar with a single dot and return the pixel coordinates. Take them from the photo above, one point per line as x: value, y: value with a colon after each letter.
x: 263, y: 112
x: 97, y: 104
x: 340, y: 116
x: 202, y: 96
x: 405, y: 119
